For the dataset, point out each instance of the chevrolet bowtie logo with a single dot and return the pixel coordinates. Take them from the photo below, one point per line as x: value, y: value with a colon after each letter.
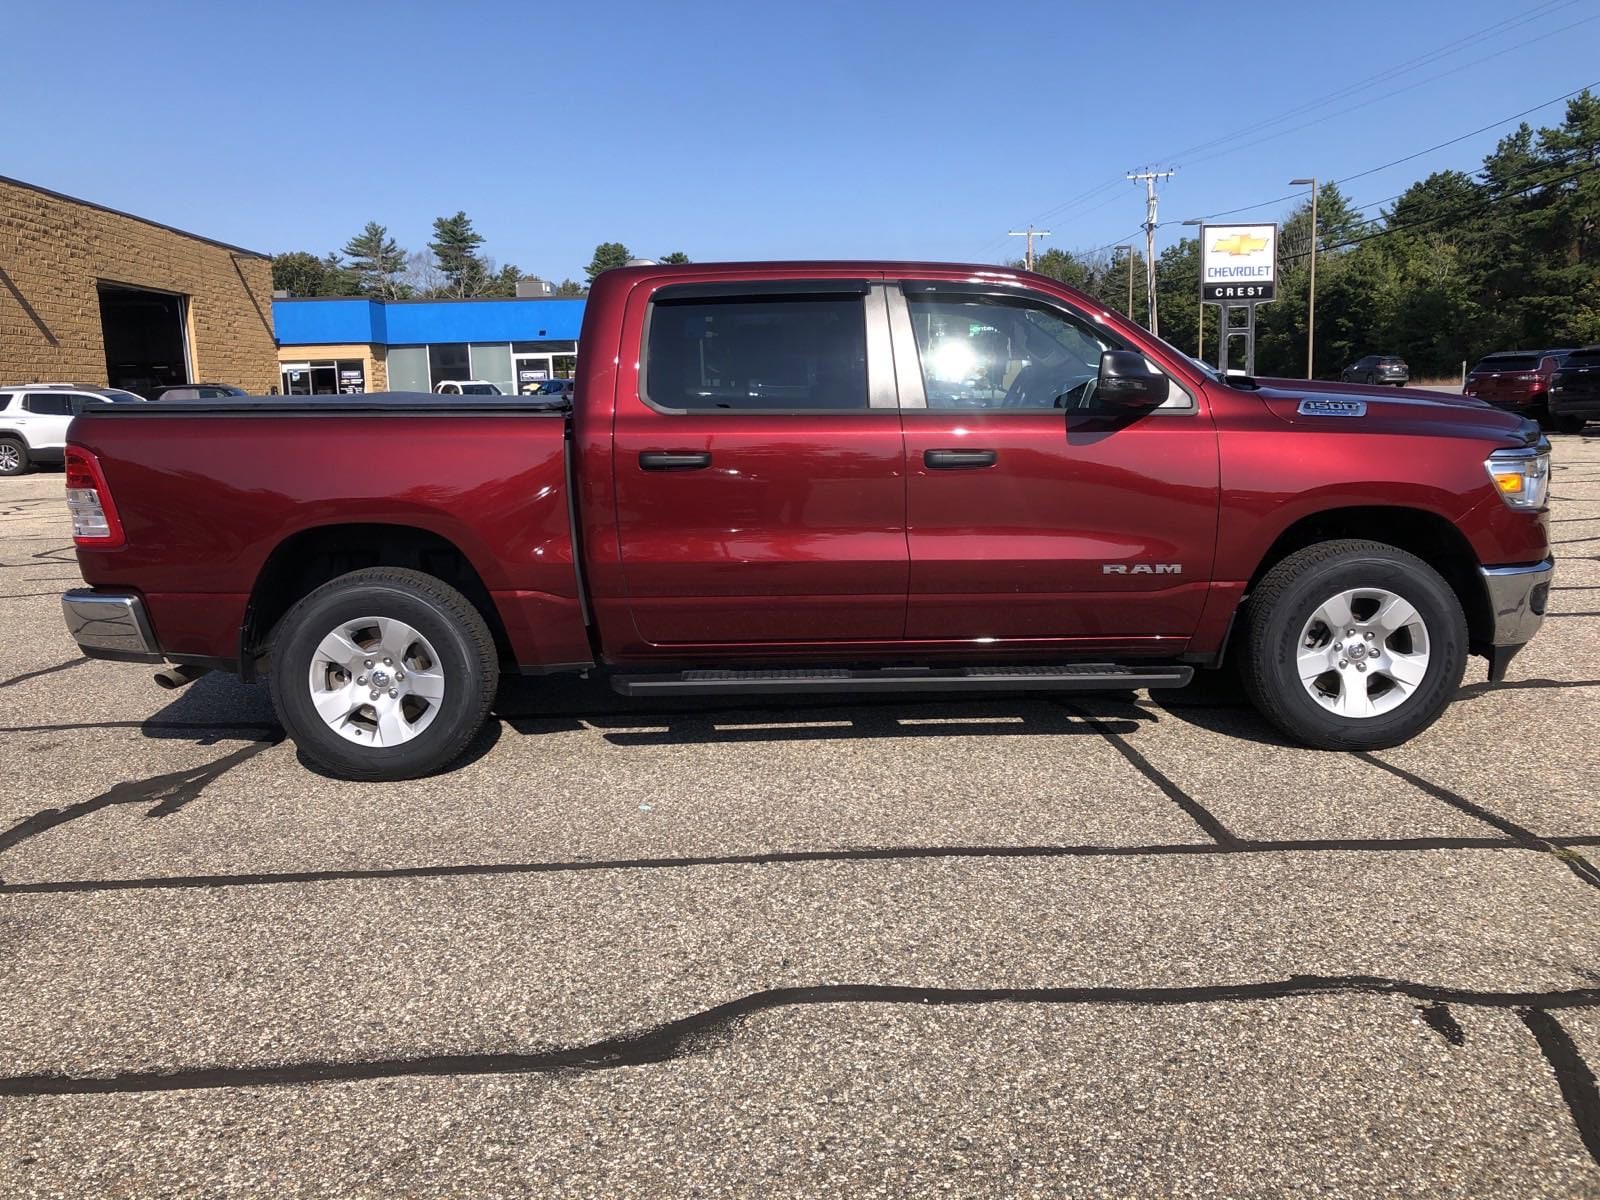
x: 1239, y: 243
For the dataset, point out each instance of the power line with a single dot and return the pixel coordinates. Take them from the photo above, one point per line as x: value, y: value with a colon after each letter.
x: 1407, y: 158
x: 1540, y: 11
x: 1474, y: 210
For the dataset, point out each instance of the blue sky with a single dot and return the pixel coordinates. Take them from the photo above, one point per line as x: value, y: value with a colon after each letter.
x: 835, y: 128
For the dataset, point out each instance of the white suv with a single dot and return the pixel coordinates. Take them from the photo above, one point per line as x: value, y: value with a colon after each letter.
x: 34, y: 419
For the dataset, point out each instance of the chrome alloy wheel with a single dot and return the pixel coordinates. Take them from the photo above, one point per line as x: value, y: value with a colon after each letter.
x: 10, y: 458
x: 376, y: 681
x: 1363, y: 652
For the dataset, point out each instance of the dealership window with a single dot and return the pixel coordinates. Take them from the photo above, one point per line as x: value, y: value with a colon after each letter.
x: 408, y: 369
x: 449, y: 361
x: 331, y: 377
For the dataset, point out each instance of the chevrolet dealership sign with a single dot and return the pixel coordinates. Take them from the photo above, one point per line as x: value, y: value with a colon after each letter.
x: 1238, y: 263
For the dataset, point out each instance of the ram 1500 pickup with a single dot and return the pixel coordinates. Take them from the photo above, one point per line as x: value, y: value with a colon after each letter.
x: 781, y: 478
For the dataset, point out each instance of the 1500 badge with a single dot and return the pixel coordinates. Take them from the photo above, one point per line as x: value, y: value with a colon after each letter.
x: 1333, y: 408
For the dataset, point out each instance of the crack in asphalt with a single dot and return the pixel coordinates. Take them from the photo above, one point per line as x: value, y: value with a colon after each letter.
x: 1573, y: 1075
x: 872, y: 854
x: 1202, y: 816
x: 1526, y: 838
x: 683, y: 1037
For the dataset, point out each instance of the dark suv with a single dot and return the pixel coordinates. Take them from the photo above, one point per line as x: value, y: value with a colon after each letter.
x: 1575, y: 390
x: 1378, y: 368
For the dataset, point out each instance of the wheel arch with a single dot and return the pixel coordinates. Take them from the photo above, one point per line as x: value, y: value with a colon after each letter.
x: 1431, y: 537
x: 309, y: 558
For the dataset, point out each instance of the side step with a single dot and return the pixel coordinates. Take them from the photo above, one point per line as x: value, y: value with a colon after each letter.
x: 1074, y: 677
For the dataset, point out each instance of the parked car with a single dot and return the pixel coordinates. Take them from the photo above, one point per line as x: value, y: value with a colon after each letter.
x: 560, y: 389
x: 34, y: 419
x: 196, y: 391
x: 754, y: 493
x: 1517, y: 381
x: 1575, y: 390
x: 467, y: 387
x: 1378, y: 368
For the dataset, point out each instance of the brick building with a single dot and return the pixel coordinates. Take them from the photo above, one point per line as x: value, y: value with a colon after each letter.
x: 90, y: 295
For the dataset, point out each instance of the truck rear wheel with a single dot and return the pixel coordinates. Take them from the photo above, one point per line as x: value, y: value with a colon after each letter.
x: 1353, y: 645
x: 13, y: 456
x: 383, y: 674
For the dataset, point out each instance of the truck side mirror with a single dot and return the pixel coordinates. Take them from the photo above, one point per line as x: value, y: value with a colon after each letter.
x: 1126, y: 381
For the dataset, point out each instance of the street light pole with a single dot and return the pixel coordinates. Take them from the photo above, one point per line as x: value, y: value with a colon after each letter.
x: 1200, y: 343
x: 1311, y: 301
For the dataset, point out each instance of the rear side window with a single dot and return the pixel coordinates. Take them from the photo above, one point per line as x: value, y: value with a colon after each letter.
x: 47, y: 404
x: 757, y: 353
x: 1583, y: 358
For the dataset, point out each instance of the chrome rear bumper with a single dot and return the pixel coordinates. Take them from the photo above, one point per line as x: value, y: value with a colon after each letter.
x: 110, y: 625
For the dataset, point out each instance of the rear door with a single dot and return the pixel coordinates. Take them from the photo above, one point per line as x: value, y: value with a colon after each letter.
x: 49, y: 414
x: 759, y: 466
x: 1034, y: 513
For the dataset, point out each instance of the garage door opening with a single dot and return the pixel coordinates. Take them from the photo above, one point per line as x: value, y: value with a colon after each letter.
x: 144, y: 335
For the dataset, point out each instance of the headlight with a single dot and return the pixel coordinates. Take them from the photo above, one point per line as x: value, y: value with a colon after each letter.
x: 1522, y: 477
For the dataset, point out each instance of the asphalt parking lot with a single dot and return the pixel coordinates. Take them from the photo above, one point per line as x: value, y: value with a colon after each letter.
x: 999, y: 947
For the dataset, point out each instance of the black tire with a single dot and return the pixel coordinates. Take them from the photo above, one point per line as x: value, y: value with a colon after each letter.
x: 447, y: 619
x: 1285, y: 601
x: 1569, y: 424
x: 20, y: 465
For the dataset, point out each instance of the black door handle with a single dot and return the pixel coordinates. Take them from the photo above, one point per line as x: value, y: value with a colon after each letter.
x: 673, y: 460
x: 957, y: 459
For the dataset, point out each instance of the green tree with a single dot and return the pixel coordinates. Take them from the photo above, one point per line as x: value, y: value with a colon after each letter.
x: 677, y: 256
x: 376, y: 260
x: 569, y: 289
x: 606, y: 256
x: 502, y: 284
x: 1061, y: 265
x: 299, y: 273
x: 455, y: 248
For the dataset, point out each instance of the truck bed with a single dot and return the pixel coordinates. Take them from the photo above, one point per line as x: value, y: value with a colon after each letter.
x: 484, y: 475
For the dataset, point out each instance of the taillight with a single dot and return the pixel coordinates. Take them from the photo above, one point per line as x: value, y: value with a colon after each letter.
x: 94, y: 513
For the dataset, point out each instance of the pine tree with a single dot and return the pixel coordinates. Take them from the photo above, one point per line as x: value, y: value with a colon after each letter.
x: 455, y: 247
x: 606, y: 256
x: 376, y: 260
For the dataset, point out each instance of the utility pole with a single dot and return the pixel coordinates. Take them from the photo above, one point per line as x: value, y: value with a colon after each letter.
x: 1311, y: 300
x: 1148, y: 178
x: 1132, y: 250
x: 1030, y: 233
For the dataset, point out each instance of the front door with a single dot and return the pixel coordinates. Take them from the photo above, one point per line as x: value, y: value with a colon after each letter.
x: 759, y: 467
x: 1033, y: 512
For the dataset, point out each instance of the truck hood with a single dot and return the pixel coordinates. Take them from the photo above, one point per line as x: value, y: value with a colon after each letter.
x: 1391, y: 410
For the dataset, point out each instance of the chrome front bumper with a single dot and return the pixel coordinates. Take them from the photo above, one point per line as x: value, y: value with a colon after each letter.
x: 110, y: 625
x: 1517, y: 598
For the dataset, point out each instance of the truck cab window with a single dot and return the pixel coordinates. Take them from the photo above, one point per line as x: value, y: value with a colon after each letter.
x: 747, y: 353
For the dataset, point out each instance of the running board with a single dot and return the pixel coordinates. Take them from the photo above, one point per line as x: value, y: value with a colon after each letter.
x: 1076, y: 677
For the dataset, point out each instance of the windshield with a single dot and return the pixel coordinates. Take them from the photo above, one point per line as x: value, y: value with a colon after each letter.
x: 123, y: 398
x: 479, y: 389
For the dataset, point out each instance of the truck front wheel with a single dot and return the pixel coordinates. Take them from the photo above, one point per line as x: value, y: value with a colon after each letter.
x: 1353, y: 645
x: 383, y: 674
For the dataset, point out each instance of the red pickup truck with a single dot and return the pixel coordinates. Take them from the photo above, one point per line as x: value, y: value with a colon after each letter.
x: 782, y: 478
